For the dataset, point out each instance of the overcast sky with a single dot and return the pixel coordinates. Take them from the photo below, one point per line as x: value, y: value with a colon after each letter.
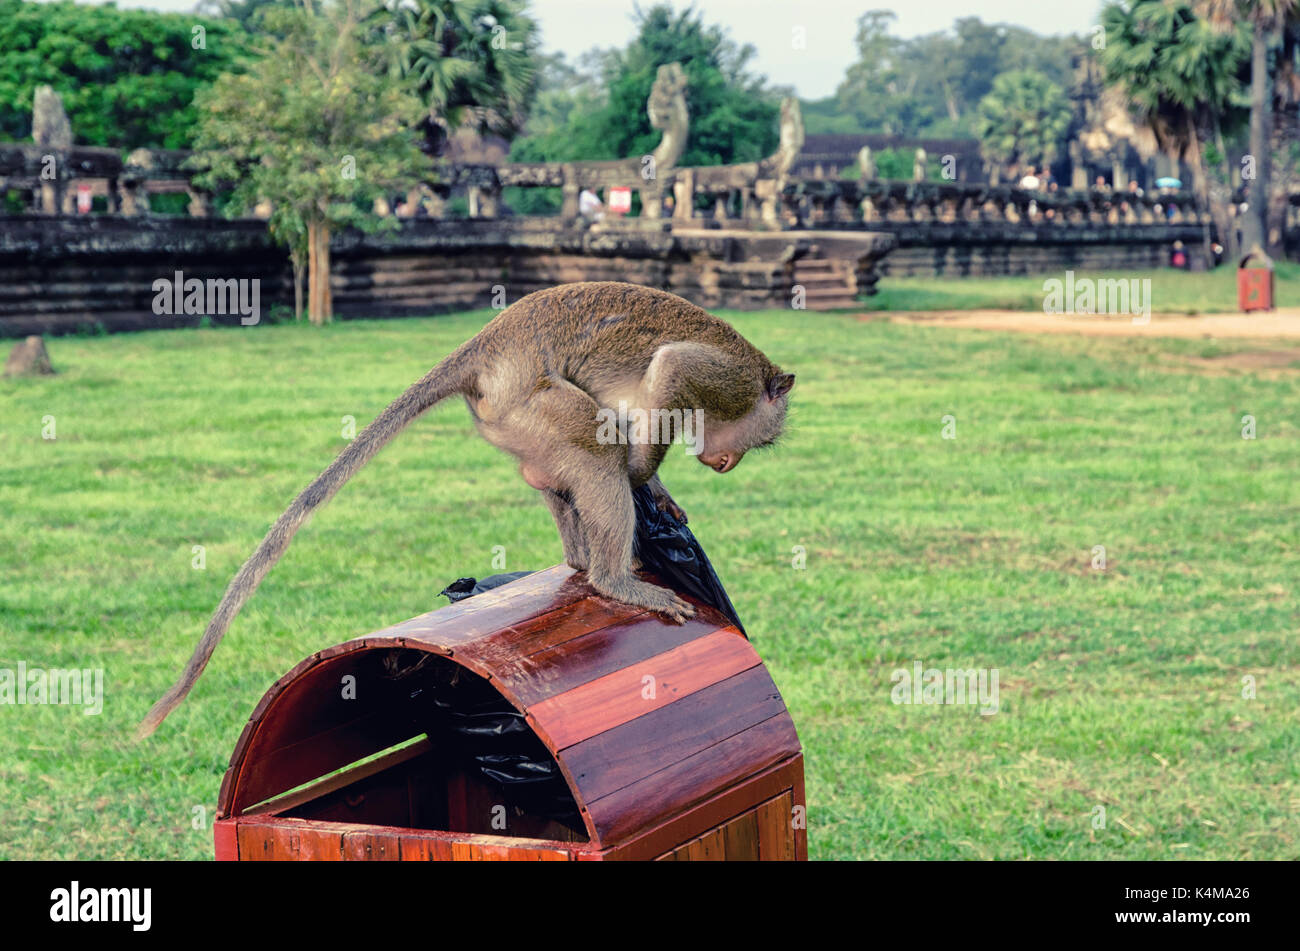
x: 574, y: 26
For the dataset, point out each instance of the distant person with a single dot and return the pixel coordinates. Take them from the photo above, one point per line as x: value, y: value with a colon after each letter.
x: 1100, y: 184
x: 590, y: 205
x: 1134, y: 189
x: 1178, y: 258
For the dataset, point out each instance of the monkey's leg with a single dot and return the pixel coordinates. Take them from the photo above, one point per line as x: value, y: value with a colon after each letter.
x: 604, y: 503
x: 566, y: 520
x: 567, y: 456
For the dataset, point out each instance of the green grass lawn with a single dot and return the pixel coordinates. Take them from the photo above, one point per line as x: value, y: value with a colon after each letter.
x: 1172, y: 291
x: 1120, y: 688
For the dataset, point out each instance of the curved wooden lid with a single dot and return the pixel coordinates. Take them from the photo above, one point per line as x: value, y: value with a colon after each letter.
x: 645, y: 718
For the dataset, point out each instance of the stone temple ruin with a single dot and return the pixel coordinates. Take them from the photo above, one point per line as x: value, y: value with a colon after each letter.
x: 745, y: 236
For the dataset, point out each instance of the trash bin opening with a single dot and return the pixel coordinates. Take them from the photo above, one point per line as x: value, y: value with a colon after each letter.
x: 468, y: 761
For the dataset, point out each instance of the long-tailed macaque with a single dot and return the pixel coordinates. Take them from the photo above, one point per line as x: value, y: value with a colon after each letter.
x: 542, y: 381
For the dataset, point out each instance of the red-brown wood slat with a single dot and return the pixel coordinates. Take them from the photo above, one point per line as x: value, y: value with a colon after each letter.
x: 372, y: 845
x: 278, y: 838
x: 707, y: 848
x: 740, y: 838
x: 535, y: 677
x: 420, y: 845
x: 644, y: 746
x: 456, y: 626
x: 614, y: 699
x: 543, y: 631
x: 718, y: 808
x: 776, y: 830
x: 422, y: 848
x: 271, y: 838
x: 799, y: 802
x: 225, y: 836
x: 682, y: 785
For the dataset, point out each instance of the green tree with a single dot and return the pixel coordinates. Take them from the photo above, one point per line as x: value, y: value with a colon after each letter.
x: 473, y: 62
x: 1181, y: 79
x: 931, y: 84
x: 315, y: 127
x: 1267, y: 22
x: 883, y: 89
x: 128, y: 78
x: 1022, y: 120
x: 733, y: 112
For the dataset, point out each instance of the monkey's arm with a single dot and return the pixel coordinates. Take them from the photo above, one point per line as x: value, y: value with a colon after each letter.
x: 688, y: 376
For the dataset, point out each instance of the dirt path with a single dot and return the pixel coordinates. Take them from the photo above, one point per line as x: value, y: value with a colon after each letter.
x: 1273, y: 324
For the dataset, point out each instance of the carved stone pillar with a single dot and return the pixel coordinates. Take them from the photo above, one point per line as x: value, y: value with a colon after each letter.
x: 134, y: 197
x: 569, y: 192
x: 489, y: 201
x: 1118, y: 176
x: 684, y: 195
x: 1078, y: 171
x: 200, y: 205
x: 652, y: 200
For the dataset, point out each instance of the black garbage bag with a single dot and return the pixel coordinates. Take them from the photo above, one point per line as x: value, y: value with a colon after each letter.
x: 463, y: 588
x: 668, y: 548
x: 472, y: 724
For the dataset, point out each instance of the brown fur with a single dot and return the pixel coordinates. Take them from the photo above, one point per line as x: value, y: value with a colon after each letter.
x: 534, y: 380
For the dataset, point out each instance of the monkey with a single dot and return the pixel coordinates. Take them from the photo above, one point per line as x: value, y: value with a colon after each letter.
x: 536, y: 380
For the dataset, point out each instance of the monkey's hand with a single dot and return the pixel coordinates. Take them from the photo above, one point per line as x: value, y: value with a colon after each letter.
x: 664, y: 502
x: 631, y: 590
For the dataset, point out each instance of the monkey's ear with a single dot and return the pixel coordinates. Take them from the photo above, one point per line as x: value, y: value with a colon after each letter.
x: 779, y: 385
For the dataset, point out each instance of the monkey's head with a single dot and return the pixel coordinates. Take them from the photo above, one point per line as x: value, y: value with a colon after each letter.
x: 726, y: 442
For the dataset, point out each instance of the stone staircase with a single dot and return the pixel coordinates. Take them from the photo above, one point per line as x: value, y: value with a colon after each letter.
x: 828, y: 284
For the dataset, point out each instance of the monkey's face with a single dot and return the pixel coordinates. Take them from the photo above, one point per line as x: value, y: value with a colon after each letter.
x: 726, y: 444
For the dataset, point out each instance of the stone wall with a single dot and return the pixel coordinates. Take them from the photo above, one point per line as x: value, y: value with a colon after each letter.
x: 60, y: 274
x: 990, y: 250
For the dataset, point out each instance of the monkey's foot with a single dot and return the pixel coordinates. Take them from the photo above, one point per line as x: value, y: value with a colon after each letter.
x: 631, y: 590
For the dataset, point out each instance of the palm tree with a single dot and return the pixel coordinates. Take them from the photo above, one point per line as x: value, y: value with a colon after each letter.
x: 1267, y: 21
x: 473, y: 61
x: 1022, y: 120
x: 1179, y: 77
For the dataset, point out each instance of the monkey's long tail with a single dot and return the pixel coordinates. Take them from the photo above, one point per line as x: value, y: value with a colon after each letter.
x: 444, y: 380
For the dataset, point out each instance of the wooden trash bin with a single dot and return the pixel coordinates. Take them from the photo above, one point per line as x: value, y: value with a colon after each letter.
x: 628, y: 738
